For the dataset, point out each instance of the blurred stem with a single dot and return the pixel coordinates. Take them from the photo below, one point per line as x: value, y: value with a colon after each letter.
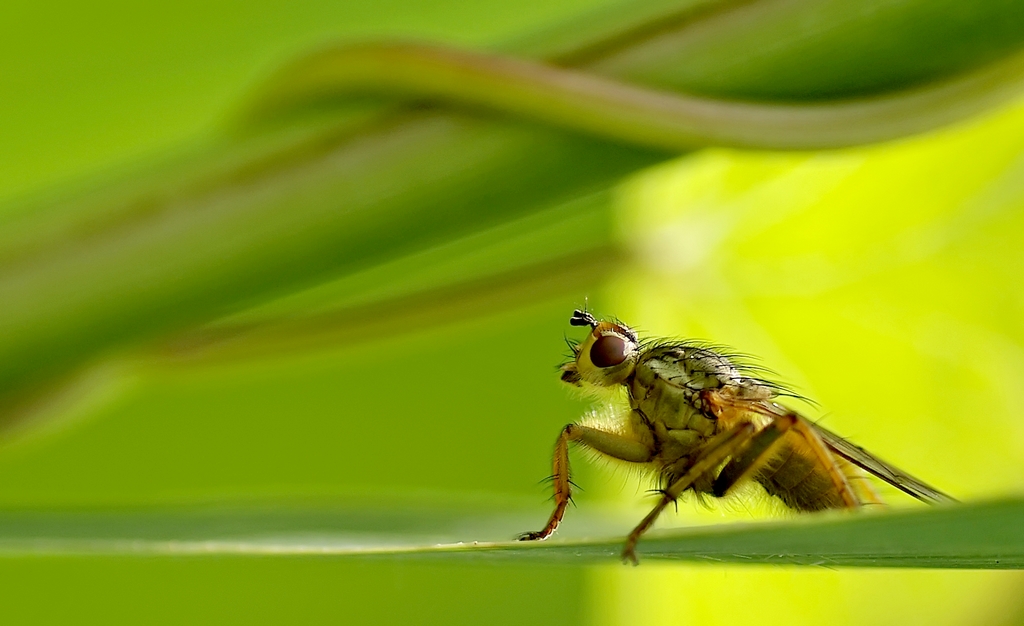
x: 618, y: 111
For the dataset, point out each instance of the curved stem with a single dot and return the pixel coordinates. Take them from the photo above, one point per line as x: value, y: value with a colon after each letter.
x: 623, y: 112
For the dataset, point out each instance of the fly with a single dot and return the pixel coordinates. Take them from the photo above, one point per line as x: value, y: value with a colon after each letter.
x: 705, y: 424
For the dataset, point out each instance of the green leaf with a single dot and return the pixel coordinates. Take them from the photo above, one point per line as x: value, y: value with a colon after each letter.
x: 975, y: 536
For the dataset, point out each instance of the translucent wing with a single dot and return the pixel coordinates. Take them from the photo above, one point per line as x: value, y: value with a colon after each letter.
x: 852, y: 453
x: 873, y: 465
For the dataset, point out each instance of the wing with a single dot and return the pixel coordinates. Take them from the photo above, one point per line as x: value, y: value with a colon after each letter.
x: 873, y: 465
x: 854, y: 454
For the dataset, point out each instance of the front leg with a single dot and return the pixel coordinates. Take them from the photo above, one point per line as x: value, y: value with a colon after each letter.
x: 614, y: 445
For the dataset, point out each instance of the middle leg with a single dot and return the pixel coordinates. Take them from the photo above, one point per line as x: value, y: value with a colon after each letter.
x: 720, y: 449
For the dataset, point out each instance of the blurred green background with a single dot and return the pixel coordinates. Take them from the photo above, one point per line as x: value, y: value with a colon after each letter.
x: 882, y: 281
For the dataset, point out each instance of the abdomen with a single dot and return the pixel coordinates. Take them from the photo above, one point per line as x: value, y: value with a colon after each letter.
x: 799, y: 480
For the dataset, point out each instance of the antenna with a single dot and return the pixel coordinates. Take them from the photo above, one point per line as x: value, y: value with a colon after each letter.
x: 582, y: 318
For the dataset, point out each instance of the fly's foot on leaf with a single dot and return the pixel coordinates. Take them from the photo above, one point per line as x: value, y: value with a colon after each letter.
x: 629, y: 553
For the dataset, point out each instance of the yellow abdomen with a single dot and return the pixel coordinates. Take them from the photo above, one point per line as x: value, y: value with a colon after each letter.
x: 796, y: 477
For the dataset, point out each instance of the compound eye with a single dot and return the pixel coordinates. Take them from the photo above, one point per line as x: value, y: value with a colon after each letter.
x: 608, y: 351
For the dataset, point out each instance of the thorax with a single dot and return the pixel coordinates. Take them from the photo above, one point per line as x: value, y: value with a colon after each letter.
x: 665, y: 390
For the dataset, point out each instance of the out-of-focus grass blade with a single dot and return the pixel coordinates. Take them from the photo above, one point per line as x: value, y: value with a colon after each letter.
x: 976, y: 536
x: 623, y: 112
x: 447, y: 304
x: 795, y: 50
x: 414, y: 183
x: 566, y: 249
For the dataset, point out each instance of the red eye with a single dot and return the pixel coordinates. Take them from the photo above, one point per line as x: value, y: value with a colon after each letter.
x: 607, y: 351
